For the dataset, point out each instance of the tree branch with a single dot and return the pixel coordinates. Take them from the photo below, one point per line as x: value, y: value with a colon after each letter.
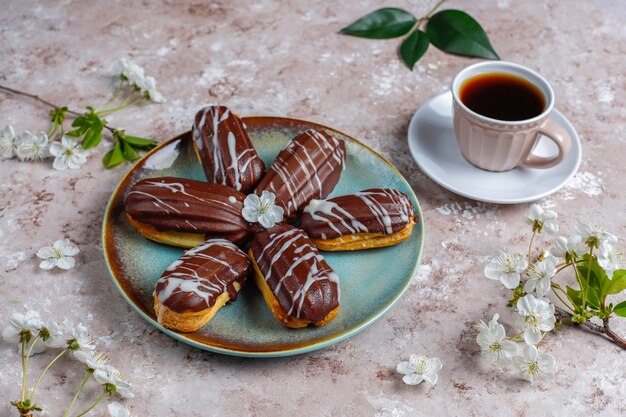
x: 605, y: 330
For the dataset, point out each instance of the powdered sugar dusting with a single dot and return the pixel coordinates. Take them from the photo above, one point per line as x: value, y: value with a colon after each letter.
x: 584, y: 182
x: 467, y: 210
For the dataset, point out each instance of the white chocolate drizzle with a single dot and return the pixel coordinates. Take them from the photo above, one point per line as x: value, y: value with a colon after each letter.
x: 317, y: 271
x: 182, y: 274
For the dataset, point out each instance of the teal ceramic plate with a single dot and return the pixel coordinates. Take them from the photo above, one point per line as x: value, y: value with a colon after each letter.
x: 372, y: 281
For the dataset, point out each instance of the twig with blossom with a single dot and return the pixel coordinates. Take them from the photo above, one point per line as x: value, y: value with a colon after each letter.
x: 34, y: 336
x: 133, y: 88
x: 593, y: 256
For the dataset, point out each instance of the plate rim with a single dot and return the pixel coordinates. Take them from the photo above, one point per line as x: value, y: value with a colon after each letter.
x: 280, y: 352
x: 477, y: 197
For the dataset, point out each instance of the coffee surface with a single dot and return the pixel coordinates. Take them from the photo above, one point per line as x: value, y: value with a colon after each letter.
x: 502, y: 97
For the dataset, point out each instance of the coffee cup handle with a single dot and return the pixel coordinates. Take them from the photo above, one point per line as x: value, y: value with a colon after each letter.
x: 559, y: 136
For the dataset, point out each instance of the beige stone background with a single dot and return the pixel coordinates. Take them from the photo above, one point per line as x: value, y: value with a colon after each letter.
x: 285, y: 59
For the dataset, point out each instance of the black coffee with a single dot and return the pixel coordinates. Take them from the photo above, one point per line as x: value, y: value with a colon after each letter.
x: 502, y: 97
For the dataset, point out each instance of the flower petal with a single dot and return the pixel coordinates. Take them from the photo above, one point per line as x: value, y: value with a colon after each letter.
x: 46, y: 252
x: 48, y: 263
x: 412, y: 379
x: 250, y: 214
x: 405, y: 368
x: 66, y: 262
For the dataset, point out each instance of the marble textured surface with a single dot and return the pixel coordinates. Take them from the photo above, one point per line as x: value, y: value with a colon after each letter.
x: 285, y: 58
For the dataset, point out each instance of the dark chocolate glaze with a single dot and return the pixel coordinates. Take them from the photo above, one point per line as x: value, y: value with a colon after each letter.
x: 226, y: 152
x: 196, y: 279
x: 308, y: 167
x: 376, y: 210
x: 304, y: 284
x: 183, y: 205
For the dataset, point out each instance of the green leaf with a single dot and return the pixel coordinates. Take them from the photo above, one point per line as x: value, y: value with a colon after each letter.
x: 114, y: 156
x: 574, y: 296
x: 592, y: 298
x: 598, y: 279
x: 142, y: 143
x: 618, y: 283
x: 620, y: 309
x: 130, y: 154
x: 385, y: 23
x: 413, y: 47
x: 456, y: 32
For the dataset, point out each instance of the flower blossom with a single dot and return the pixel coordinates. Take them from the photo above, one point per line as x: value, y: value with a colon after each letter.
x: 60, y: 254
x: 493, y: 342
x: 610, y: 259
x: 534, y: 316
x: 8, y: 142
x: 262, y: 209
x: 79, y: 340
x: 542, y: 219
x: 32, y: 147
x: 540, y: 276
x: 24, y: 328
x: 420, y: 368
x: 534, y: 366
x: 113, y: 381
x: 507, y: 269
x: 68, y: 154
x: 569, y: 248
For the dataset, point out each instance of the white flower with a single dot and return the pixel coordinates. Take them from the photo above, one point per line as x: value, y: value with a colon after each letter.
x: 572, y: 247
x: 8, y: 142
x: 262, y: 209
x: 542, y: 219
x: 534, y: 316
x: 610, y: 258
x: 131, y: 71
x: 148, y: 86
x: 54, y: 335
x: 493, y: 342
x: 535, y: 366
x: 420, y: 368
x: 80, y: 340
x: 94, y: 360
x: 24, y: 327
x: 113, y: 380
x: 68, y: 154
x: 32, y: 147
x: 28, y: 323
x: 506, y: 269
x: 118, y: 410
x: 60, y: 254
x: 540, y: 275
x: 592, y: 235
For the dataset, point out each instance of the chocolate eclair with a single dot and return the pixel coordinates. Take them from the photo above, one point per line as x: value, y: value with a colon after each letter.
x: 297, y: 284
x: 368, y: 219
x: 225, y: 150
x: 199, y: 283
x: 308, y: 167
x: 184, y: 212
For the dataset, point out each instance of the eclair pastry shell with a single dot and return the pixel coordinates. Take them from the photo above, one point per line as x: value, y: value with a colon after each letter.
x: 360, y: 241
x: 181, y: 239
x: 192, y: 320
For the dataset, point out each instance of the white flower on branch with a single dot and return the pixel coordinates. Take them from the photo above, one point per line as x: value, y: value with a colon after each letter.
x: 569, y: 248
x: 53, y: 335
x: 493, y: 342
x: 92, y: 359
x: 113, y: 381
x: 592, y: 235
x: 262, y: 209
x: 610, y: 259
x: 542, y: 219
x: 534, y: 316
x: 535, y: 366
x: 24, y: 327
x: 79, y: 340
x: 60, y: 254
x: 540, y: 276
x: 8, y: 142
x: 137, y: 78
x: 68, y: 154
x: 420, y: 368
x: 507, y: 269
x: 32, y: 147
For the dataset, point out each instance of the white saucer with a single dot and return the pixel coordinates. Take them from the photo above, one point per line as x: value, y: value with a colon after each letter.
x: 433, y: 145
